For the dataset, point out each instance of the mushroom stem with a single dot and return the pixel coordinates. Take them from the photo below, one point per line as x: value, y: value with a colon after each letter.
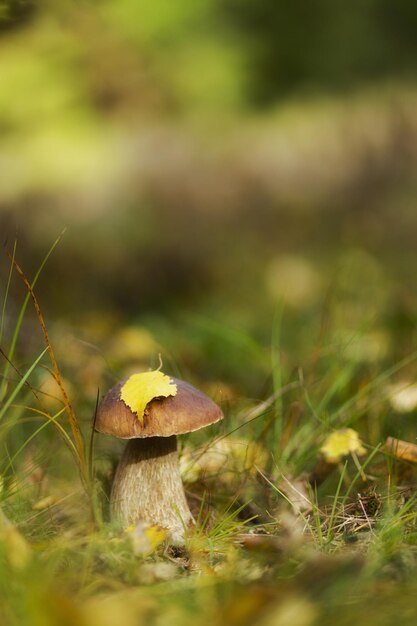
x: 148, y: 486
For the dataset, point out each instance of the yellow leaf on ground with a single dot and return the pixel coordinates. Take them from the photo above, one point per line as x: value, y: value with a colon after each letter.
x: 146, y: 538
x: 18, y: 550
x: 140, y: 389
x: 341, y: 443
x: 44, y: 503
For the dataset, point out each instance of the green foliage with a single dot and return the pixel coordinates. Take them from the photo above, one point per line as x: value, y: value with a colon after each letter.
x: 15, y: 12
x: 311, y: 46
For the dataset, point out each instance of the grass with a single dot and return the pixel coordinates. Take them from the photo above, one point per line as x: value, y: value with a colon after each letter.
x: 271, y: 546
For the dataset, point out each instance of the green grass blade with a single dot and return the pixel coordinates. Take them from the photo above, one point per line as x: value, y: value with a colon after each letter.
x: 6, y: 293
x: 26, y: 443
x: 373, y: 384
x: 277, y: 377
x: 335, y: 503
x: 20, y: 384
x: 21, y: 315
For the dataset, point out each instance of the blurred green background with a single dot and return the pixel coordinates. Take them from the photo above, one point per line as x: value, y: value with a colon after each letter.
x: 216, y: 165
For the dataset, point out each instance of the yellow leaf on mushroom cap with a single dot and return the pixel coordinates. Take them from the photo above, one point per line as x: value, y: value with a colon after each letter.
x: 140, y: 389
x: 340, y: 443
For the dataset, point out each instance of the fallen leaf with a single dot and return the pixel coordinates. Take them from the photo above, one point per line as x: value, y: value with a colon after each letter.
x: 340, y: 443
x: 44, y: 503
x: 140, y: 389
x: 403, y: 450
x: 146, y: 538
x: 18, y: 550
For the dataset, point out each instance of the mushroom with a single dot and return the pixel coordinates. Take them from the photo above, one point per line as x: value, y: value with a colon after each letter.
x: 147, y: 485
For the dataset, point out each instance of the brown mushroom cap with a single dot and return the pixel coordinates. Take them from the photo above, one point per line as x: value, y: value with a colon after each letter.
x: 185, y: 412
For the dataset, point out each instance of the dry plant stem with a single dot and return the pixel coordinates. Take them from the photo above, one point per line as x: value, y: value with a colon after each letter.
x: 79, y: 444
x: 148, y: 486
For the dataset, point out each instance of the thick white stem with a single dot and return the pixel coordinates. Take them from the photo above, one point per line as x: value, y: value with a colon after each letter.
x: 148, y: 486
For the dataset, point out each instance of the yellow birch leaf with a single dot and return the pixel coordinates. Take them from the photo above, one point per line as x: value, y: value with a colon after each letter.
x: 18, y: 551
x: 340, y: 443
x: 146, y: 538
x: 140, y: 389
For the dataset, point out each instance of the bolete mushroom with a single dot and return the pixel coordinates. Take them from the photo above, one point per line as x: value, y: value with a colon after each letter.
x: 147, y: 484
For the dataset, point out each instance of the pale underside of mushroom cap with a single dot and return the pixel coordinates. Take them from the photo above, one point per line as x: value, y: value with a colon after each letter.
x: 187, y: 411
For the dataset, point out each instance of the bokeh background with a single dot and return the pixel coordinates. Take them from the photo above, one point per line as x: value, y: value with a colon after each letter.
x: 218, y: 166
